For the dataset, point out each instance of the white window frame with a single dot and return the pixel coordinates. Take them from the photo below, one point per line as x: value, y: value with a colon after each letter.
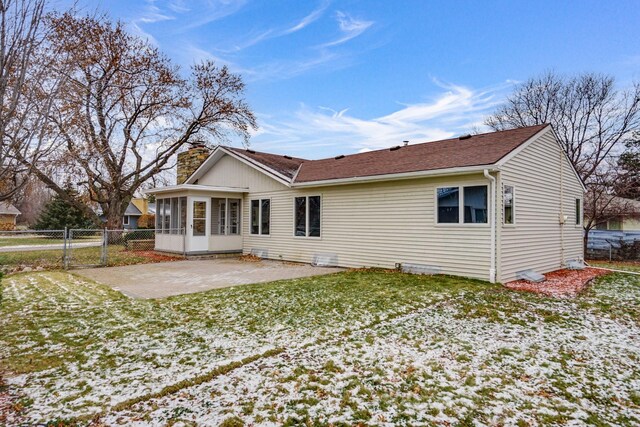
x: 578, y: 220
x: 461, y: 222
x: 226, y: 230
x: 306, y: 219
x: 125, y: 220
x: 513, y: 205
x: 251, y: 233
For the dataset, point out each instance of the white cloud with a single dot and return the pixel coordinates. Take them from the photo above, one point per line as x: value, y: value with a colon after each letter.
x: 323, y: 132
x: 310, y: 18
x: 350, y: 28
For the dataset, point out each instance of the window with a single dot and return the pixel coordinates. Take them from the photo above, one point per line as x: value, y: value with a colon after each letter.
x: 261, y: 216
x: 159, y: 212
x: 166, y: 226
x: 307, y: 216
x: 578, y: 211
x: 475, y: 204
x: 234, y: 216
x: 508, y: 203
x: 448, y: 205
x: 175, y: 220
x: 125, y: 220
x: 199, y: 218
x: 473, y: 199
x: 225, y: 216
x: 183, y: 214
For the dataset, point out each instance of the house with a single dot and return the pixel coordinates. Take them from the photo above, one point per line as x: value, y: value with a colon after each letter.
x: 135, y: 209
x: 624, y: 216
x: 8, y: 215
x: 487, y: 206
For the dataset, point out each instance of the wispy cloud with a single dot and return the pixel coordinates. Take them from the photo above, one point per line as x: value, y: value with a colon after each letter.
x: 350, y: 28
x: 324, y: 131
x: 310, y: 18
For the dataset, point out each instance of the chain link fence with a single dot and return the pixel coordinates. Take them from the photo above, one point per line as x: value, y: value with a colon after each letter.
x: 614, y: 245
x: 26, y: 250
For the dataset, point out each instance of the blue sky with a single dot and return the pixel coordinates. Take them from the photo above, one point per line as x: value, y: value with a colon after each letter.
x: 331, y: 77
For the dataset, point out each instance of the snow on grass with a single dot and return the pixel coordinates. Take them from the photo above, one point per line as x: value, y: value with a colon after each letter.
x: 75, y: 348
x: 487, y: 357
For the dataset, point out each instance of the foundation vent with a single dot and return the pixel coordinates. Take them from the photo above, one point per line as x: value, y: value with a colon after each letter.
x: 419, y: 268
x: 260, y: 253
x: 325, y: 260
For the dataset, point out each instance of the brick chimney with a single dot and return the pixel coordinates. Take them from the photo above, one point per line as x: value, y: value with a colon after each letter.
x: 190, y: 160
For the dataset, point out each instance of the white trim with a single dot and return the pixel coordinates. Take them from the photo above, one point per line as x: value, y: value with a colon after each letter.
x: 192, y: 187
x: 214, y: 157
x: 534, y: 138
x: 395, y: 176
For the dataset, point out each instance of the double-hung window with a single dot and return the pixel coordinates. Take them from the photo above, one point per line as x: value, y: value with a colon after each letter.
x: 261, y: 216
x: 307, y: 216
x: 472, y: 199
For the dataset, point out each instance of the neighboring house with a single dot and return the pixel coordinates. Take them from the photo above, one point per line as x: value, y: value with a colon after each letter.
x: 627, y: 220
x: 486, y: 206
x: 135, y: 209
x: 8, y: 215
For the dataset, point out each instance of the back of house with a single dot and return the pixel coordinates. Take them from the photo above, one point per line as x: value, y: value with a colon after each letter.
x: 487, y: 206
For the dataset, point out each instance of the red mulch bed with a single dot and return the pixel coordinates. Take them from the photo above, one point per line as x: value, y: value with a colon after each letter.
x: 560, y: 283
x: 158, y: 257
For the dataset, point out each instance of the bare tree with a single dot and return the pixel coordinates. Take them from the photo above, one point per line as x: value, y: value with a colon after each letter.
x: 25, y: 102
x: 124, y: 111
x: 590, y: 116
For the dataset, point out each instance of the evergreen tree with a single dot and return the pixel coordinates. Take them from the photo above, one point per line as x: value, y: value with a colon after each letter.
x: 59, y: 213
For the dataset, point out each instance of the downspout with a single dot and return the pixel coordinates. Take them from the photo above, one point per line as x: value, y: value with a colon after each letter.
x: 492, y: 218
x: 562, y: 221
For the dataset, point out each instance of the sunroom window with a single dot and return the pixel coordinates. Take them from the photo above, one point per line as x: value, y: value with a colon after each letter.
x: 225, y: 216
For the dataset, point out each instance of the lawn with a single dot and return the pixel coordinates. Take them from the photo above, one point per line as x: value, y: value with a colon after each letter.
x: 20, y: 240
x: 368, y: 347
x: 633, y: 266
x: 52, y: 259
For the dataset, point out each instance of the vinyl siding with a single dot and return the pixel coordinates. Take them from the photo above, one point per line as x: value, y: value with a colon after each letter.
x: 230, y: 172
x: 539, y: 173
x: 376, y: 225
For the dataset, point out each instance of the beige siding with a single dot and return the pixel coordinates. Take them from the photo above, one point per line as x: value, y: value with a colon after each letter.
x: 540, y: 173
x: 376, y: 225
x: 230, y: 172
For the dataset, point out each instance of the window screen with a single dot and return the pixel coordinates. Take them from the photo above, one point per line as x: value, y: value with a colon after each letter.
x: 300, y: 219
x: 508, y: 203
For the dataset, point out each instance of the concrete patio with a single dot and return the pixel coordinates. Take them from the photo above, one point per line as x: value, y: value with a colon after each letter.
x: 183, y: 277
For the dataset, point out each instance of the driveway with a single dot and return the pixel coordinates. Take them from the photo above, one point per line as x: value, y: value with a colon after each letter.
x: 184, y: 277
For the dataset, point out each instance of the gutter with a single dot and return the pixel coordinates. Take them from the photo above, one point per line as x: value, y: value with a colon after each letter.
x: 492, y: 218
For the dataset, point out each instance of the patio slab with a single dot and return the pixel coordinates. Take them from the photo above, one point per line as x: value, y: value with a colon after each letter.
x: 165, y: 279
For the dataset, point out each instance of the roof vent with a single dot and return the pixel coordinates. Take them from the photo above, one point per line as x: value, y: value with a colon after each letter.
x: 341, y: 156
x: 250, y: 151
x: 287, y: 157
x: 467, y: 136
x: 397, y: 147
x: 405, y: 143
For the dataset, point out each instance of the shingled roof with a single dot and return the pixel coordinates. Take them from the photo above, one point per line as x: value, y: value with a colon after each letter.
x: 477, y: 150
x: 472, y: 150
x: 7, y: 208
x: 285, y: 165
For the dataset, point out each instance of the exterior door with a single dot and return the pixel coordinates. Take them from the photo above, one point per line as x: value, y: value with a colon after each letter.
x: 199, y: 224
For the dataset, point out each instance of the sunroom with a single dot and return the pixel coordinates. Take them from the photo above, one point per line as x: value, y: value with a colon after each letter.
x: 198, y: 219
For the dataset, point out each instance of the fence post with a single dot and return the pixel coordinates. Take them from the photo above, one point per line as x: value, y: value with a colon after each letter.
x: 103, y: 258
x: 65, y: 261
x: 610, y: 250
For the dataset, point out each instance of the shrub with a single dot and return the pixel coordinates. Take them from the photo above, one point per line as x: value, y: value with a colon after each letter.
x: 147, y: 221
